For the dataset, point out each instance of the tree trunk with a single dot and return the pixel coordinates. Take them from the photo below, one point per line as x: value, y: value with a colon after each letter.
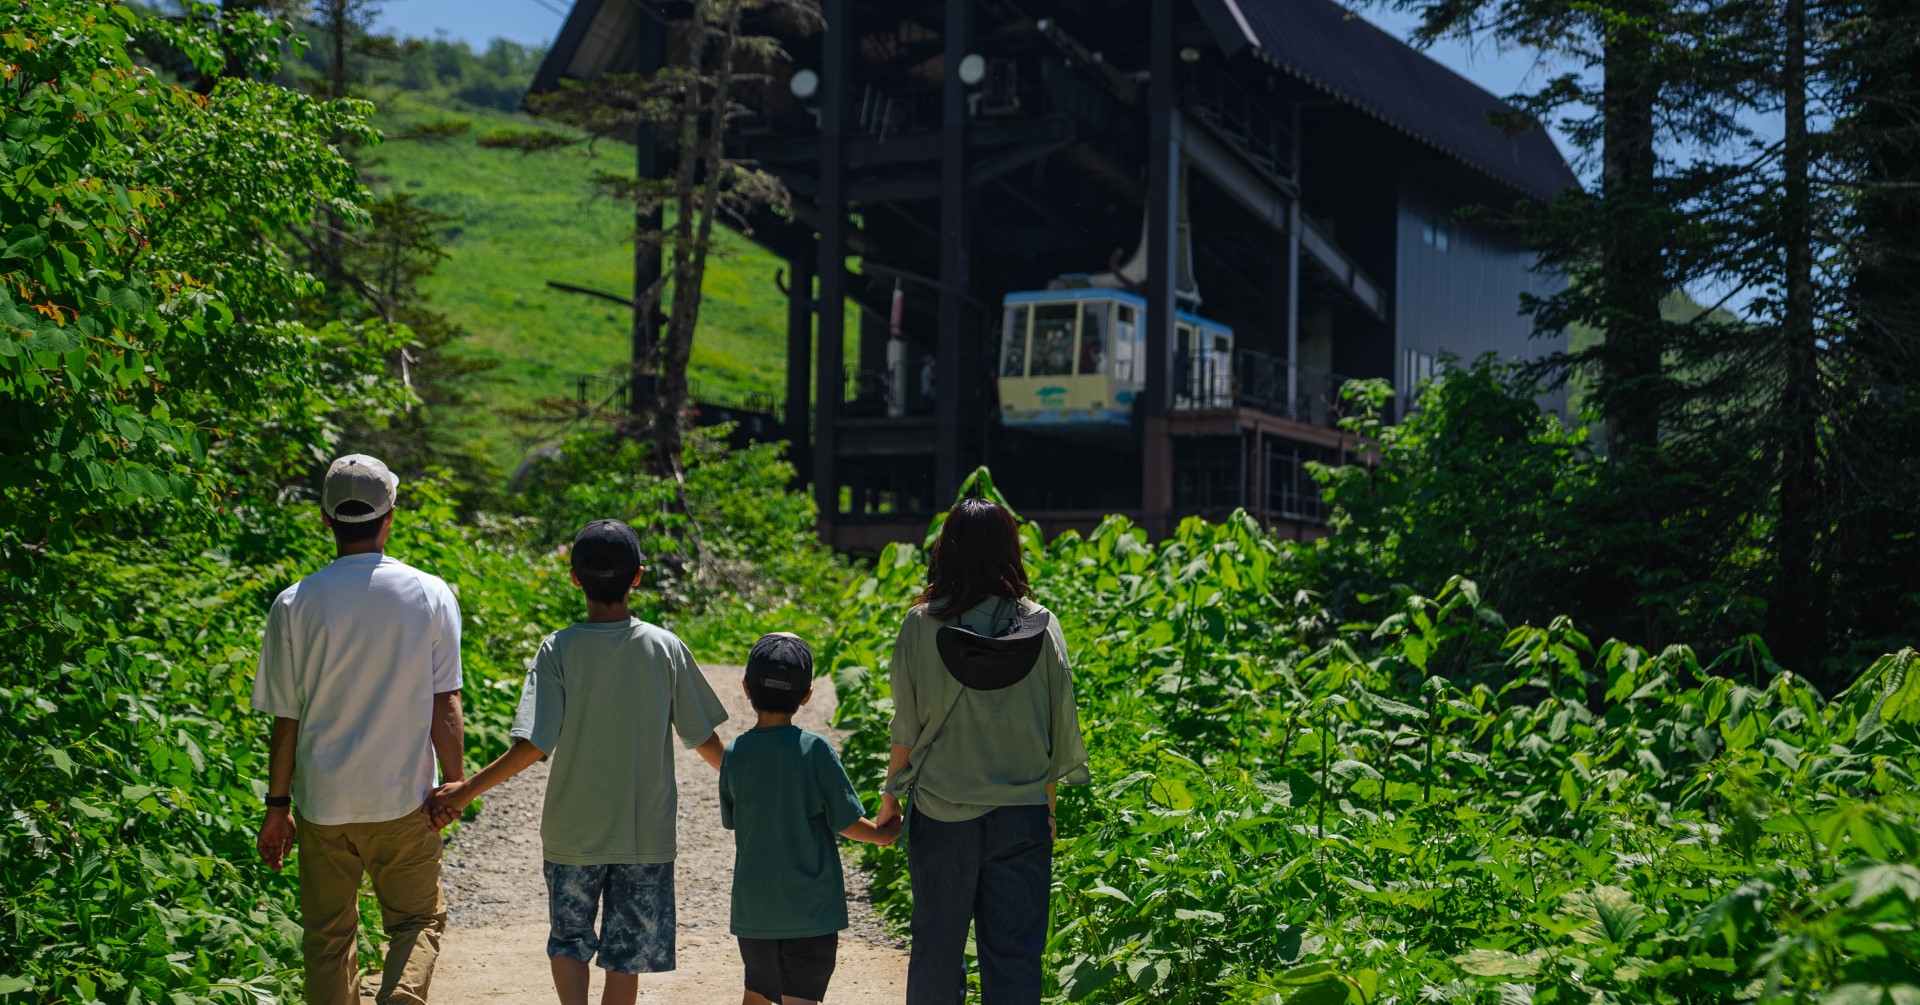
x: 339, y: 21
x: 677, y: 353
x: 1632, y: 280
x: 1799, y: 640
x: 671, y: 407
x: 1876, y: 557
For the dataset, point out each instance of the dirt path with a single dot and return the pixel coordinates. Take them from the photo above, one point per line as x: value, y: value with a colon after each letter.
x: 495, y: 949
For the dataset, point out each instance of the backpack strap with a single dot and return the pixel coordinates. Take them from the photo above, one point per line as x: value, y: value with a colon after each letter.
x: 901, y: 785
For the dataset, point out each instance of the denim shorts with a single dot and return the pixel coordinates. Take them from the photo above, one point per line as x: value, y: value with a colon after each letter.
x: 636, y: 927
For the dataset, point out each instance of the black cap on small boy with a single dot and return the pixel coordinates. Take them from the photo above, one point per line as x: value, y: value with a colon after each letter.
x: 607, y: 549
x: 780, y: 663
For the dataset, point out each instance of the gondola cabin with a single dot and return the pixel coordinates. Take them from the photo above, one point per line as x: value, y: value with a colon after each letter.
x: 1069, y: 358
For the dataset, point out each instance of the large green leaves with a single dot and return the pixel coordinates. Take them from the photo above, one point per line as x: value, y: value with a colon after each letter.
x: 143, y: 304
x: 1435, y: 806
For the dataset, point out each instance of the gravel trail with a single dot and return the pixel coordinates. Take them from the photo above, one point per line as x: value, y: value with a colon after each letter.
x: 495, y: 948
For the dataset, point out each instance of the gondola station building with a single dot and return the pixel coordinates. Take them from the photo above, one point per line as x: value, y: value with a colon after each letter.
x: 1123, y: 251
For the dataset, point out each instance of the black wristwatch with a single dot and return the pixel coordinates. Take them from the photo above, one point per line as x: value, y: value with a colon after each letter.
x: 279, y: 802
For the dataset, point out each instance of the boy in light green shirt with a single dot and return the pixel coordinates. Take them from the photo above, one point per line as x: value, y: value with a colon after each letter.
x: 604, y: 699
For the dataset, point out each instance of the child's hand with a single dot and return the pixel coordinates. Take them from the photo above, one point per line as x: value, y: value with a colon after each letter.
x: 889, y: 831
x: 444, y: 805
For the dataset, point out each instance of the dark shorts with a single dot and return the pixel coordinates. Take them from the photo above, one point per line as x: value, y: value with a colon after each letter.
x: 636, y: 928
x: 797, y: 968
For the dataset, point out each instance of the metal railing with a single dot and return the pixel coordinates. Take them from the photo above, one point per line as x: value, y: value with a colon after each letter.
x: 1209, y: 93
x: 1290, y: 490
x: 611, y: 393
x: 866, y: 390
x: 1257, y: 380
x: 883, y: 109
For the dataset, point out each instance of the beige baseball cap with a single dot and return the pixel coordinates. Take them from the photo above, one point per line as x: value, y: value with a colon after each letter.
x: 362, y: 479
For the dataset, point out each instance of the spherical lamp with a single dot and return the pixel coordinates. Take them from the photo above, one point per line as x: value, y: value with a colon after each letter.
x: 973, y: 69
x: 804, y: 84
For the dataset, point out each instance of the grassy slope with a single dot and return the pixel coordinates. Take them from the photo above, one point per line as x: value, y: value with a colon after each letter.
x: 528, y: 218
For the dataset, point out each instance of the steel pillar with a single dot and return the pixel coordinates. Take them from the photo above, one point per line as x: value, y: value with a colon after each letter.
x: 799, y: 361
x: 835, y: 77
x: 950, y: 385
x: 1296, y: 225
x: 1163, y: 207
x: 648, y: 163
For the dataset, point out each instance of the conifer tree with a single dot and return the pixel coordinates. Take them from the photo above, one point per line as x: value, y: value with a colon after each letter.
x: 688, y: 104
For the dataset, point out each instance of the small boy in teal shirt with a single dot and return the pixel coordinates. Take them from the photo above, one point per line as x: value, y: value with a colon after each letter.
x: 784, y: 795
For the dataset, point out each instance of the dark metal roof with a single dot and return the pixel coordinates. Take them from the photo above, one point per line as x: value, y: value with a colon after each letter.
x: 1319, y: 41
x: 598, y: 37
x: 1337, y: 51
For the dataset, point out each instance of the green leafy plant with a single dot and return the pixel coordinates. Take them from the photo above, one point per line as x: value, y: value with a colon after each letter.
x: 1435, y: 805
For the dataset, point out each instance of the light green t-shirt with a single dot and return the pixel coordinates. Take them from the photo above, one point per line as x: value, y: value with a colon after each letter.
x: 786, y: 798
x: 602, y: 701
x: 996, y: 748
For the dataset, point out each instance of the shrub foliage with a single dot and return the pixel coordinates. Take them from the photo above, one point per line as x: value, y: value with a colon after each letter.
x: 1438, y: 805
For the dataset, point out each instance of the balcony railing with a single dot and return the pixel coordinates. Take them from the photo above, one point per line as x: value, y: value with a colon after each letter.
x: 1258, y: 380
x: 1290, y: 491
x: 609, y: 393
x: 867, y: 390
x: 1211, y: 94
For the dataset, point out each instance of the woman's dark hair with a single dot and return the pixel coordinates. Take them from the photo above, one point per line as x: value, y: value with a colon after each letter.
x: 976, y: 557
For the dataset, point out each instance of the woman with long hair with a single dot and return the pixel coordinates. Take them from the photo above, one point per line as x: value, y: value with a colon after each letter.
x: 984, y: 729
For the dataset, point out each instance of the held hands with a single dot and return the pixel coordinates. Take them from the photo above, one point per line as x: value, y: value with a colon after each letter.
x: 444, y: 804
x: 887, y: 823
x: 276, y: 837
x: 889, y: 813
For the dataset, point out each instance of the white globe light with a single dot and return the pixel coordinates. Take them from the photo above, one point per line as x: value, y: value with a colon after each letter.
x: 804, y: 84
x: 973, y: 68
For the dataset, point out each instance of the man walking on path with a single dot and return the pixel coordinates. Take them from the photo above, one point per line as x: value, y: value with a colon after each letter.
x: 360, y: 668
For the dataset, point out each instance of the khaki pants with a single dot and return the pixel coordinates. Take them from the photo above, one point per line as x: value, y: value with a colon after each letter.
x: 403, y: 857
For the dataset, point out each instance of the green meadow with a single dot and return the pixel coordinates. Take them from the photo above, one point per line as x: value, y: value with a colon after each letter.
x: 522, y: 220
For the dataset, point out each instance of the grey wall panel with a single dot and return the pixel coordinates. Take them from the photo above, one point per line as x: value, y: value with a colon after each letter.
x: 1464, y: 298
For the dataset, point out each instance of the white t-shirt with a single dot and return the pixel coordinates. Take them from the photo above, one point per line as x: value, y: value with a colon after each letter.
x: 356, y: 652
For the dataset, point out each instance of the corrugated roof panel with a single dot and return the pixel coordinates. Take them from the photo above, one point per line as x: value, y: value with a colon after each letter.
x: 1341, y: 53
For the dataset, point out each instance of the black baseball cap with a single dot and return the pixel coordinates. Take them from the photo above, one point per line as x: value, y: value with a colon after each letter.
x: 780, y: 662
x: 607, y: 549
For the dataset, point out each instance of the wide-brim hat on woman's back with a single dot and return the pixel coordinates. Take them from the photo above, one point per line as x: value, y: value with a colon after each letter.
x: 992, y: 662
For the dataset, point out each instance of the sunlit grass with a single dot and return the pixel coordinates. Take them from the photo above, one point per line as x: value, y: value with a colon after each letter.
x: 525, y: 219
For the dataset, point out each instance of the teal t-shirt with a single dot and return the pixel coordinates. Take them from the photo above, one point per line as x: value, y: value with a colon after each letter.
x: 786, y: 798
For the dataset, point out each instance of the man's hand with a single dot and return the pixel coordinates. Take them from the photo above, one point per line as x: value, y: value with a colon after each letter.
x: 276, y: 837
x: 445, y: 804
x: 890, y: 814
